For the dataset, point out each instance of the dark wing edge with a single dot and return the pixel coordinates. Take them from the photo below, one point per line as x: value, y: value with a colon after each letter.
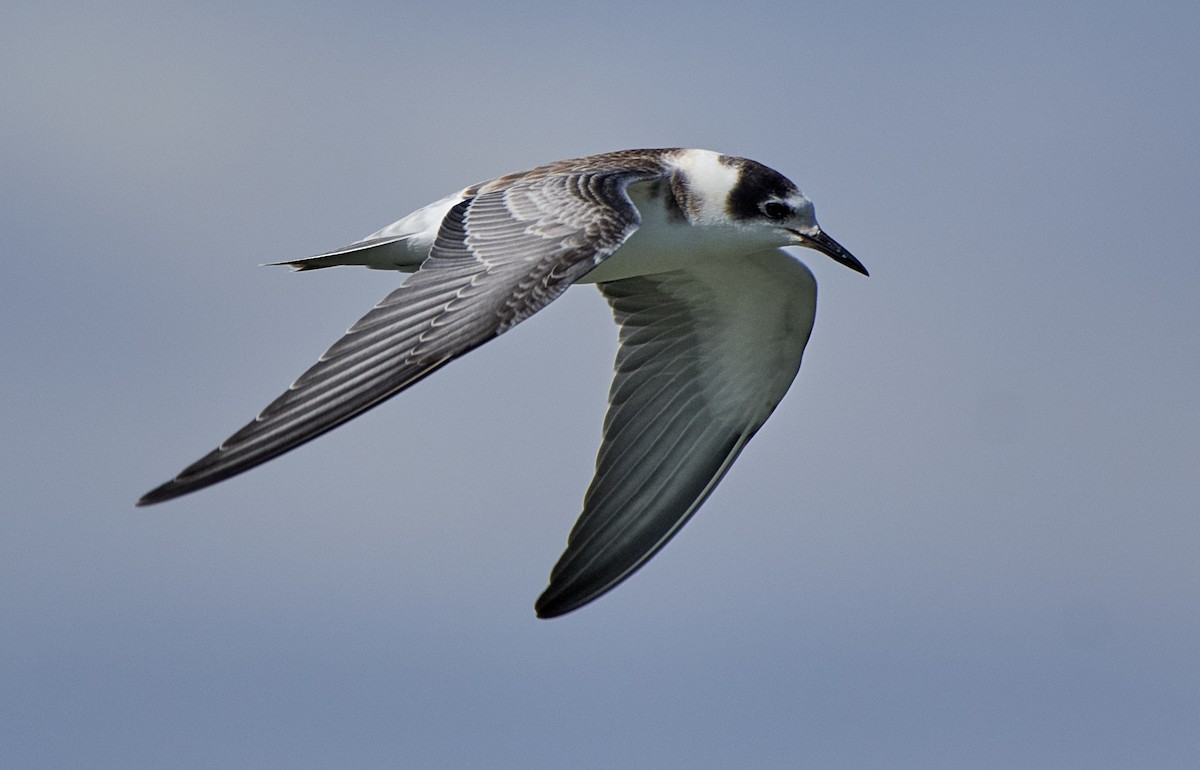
x: 376, y: 359
x: 498, y: 258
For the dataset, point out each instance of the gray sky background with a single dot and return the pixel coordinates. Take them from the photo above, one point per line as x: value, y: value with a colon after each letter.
x: 969, y: 537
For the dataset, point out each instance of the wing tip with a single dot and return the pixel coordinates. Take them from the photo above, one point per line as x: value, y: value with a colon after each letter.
x: 176, y: 487
x: 547, y: 606
x: 159, y: 494
x: 560, y: 598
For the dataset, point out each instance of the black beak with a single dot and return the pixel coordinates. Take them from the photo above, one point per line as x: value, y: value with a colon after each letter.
x: 830, y: 248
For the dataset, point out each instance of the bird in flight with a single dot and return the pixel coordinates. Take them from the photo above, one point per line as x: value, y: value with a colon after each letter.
x: 686, y: 247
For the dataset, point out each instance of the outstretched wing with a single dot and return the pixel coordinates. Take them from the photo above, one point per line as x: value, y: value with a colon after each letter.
x: 500, y: 256
x: 705, y: 356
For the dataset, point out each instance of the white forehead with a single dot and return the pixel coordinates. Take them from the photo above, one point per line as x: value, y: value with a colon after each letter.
x: 709, y: 180
x: 802, y: 206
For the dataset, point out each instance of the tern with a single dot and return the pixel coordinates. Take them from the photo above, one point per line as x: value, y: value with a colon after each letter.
x: 685, y: 245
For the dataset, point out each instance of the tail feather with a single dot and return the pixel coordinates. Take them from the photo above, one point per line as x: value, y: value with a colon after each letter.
x: 389, y: 253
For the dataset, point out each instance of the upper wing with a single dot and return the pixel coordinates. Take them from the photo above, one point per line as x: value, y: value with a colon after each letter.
x: 705, y: 356
x: 500, y: 256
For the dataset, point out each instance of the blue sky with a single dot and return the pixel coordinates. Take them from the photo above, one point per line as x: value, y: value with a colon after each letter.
x: 968, y: 537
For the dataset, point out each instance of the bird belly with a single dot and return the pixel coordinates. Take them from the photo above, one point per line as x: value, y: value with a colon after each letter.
x: 650, y: 251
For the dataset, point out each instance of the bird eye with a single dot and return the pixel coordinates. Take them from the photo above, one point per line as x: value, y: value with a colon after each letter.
x: 775, y: 210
